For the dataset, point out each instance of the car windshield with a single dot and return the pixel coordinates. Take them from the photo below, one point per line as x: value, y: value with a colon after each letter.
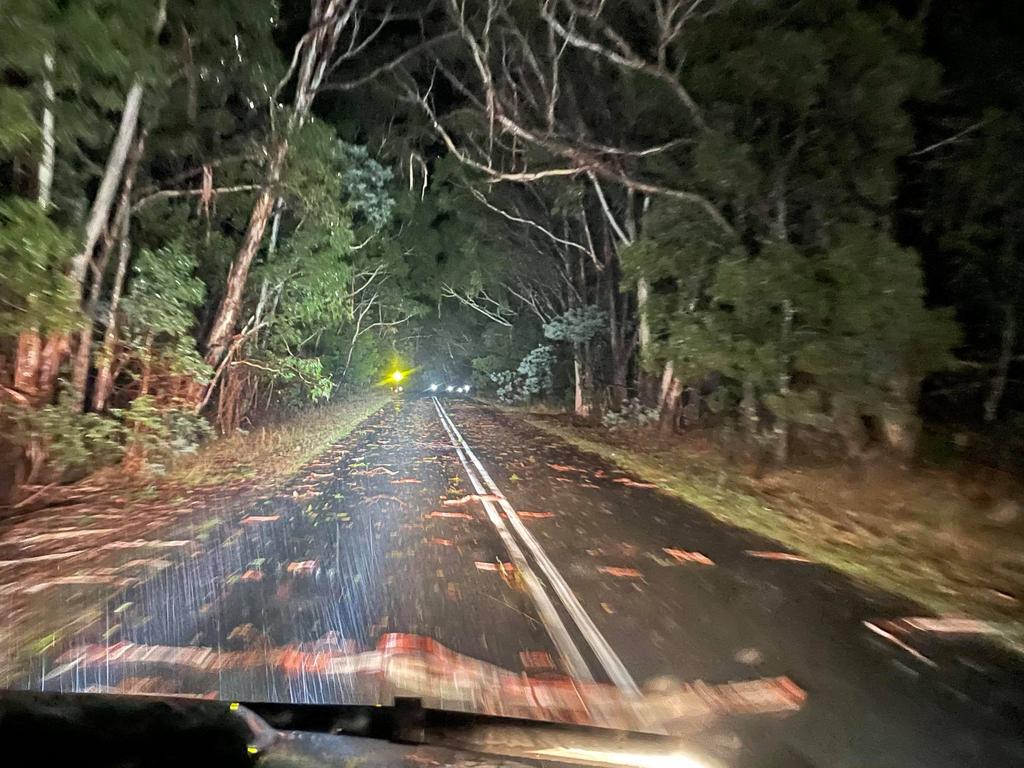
x: 652, y: 365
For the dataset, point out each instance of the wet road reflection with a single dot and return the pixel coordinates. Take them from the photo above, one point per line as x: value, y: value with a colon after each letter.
x: 358, y: 546
x: 385, y: 567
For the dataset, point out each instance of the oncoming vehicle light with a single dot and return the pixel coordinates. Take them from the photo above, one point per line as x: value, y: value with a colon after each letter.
x: 433, y: 387
x: 449, y: 388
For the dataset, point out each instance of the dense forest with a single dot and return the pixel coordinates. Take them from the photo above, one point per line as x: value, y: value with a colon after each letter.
x: 795, y: 225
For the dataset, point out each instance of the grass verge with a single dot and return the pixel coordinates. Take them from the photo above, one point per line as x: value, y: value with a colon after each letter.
x: 912, y: 537
x: 273, y: 453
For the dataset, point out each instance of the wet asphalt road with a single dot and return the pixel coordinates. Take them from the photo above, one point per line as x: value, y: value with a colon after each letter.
x: 363, y: 544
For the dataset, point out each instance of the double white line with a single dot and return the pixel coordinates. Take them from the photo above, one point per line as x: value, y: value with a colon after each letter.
x: 484, y: 485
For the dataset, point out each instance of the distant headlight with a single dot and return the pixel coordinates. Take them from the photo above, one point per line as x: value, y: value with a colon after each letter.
x: 449, y: 388
x: 433, y: 387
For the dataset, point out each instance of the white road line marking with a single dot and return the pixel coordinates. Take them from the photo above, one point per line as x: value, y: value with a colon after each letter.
x: 612, y: 664
x: 571, y: 655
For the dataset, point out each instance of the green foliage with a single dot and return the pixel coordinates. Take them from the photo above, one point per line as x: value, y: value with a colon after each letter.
x: 160, y: 307
x: 18, y: 128
x: 158, y: 433
x: 578, y: 325
x: 34, y: 292
x: 859, y: 328
x: 973, y: 211
x: 878, y: 331
x: 532, y: 378
x: 303, y: 379
x: 805, y: 102
x: 71, y: 441
x: 536, y: 371
x: 632, y: 414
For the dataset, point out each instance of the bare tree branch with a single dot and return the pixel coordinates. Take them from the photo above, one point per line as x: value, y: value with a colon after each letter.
x: 627, y: 58
x: 373, y: 74
x: 165, y: 194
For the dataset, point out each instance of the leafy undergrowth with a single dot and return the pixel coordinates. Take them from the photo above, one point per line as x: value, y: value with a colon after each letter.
x: 916, y: 534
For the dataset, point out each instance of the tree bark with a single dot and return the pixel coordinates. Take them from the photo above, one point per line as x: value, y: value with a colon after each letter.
x: 325, y: 25
x: 83, y: 356
x: 782, y: 425
x: 670, y: 407
x: 748, y: 407
x: 99, y: 213
x: 616, y: 330
x: 998, y: 385
x: 643, y: 292
x: 667, y: 375
x: 105, y: 366
x: 579, y: 406
x: 27, y: 361
x: 28, y: 357
x: 48, y: 158
x: 223, y: 326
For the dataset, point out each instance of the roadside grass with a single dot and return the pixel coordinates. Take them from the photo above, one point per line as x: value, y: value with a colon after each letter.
x: 914, y: 534
x: 271, y: 453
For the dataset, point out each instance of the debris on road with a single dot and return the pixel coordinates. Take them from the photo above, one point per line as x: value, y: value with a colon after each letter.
x: 682, y: 556
x: 784, y: 556
x: 446, y: 679
x: 633, y: 483
x: 625, y: 573
x: 456, y: 515
x: 940, y: 625
x: 469, y: 499
x: 878, y: 629
x: 566, y: 468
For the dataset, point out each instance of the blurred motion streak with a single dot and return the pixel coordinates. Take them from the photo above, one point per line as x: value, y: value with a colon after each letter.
x: 412, y: 665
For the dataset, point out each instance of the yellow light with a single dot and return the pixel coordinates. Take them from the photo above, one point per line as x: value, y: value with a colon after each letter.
x: 233, y: 706
x: 397, y: 376
x: 252, y: 750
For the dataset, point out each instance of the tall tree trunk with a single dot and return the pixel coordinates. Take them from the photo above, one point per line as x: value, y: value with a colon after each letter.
x: 105, y: 366
x: 99, y: 213
x: 669, y: 412
x: 616, y: 326
x: 27, y: 361
x: 748, y: 408
x: 643, y: 293
x: 223, y: 326
x: 670, y: 391
x: 667, y: 375
x: 782, y: 424
x: 48, y: 158
x: 104, y: 384
x: 325, y: 24
x: 998, y: 385
x: 83, y: 356
x: 28, y: 357
x: 579, y: 406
